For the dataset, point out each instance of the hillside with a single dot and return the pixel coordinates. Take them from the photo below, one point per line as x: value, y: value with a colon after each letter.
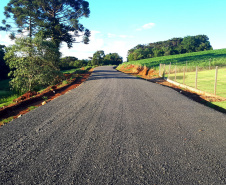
x: 202, y: 58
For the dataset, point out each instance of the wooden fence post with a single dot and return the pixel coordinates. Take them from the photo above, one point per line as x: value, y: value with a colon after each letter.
x: 169, y: 71
x: 209, y: 63
x: 175, y: 73
x: 186, y: 65
x: 215, y: 85
x: 159, y: 70
x: 196, y: 77
x: 164, y: 70
x: 184, y: 76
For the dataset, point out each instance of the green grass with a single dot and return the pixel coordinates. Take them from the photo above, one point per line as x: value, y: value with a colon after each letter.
x: 201, y: 59
x: 206, y: 80
x: 6, y: 95
x: 77, y: 70
x: 4, y: 121
x: 69, y: 71
x: 220, y: 104
x: 32, y: 108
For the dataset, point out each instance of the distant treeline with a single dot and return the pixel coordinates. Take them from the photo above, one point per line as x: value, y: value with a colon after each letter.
x: 173, y: 46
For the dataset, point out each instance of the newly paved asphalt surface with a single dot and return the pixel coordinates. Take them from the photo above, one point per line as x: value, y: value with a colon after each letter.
x: 115, y: 129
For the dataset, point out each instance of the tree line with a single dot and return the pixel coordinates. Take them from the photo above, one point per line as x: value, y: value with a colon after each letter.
x: 99, y: 58
x: 173, y: 46
x: 34, y: 59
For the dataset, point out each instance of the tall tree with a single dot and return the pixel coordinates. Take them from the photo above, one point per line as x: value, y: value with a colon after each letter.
x: 25, y: 14
x: 61, y: 20
x: 98, y: 58
x: 55, y: 19
x: 112, y: 59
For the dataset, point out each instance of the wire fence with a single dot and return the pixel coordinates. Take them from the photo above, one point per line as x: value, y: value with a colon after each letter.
x: 210, y: 79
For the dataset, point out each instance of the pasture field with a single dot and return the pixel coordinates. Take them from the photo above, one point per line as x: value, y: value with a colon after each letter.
x: 206, y: 80
x: 201, y: 59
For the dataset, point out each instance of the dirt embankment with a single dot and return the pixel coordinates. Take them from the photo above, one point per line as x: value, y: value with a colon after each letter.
x: 153, y: 76
x: 22, y: 104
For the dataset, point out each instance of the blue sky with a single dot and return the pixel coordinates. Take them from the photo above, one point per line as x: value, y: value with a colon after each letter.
x: 119, y: 25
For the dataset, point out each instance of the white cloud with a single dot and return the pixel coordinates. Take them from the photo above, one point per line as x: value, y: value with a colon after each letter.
x: 149, y: 26
x: 146, y: 26
x: 83, y: 51
x: 5, y: 40
x: 119, y: 46
x: 110, y: 35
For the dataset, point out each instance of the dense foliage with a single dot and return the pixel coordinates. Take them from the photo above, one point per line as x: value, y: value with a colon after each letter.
x: 32, y: 67
x: 4, y: 69
x: 112, y: 59
x: 99, y: 58
x: 55, y: 19
x: 73, y: 62
x: 170, y: 47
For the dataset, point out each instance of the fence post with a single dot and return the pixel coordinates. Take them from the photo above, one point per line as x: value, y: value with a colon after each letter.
x: 184, y: 76
x: 186, y: 65
x: 169, y: 71
x: 215, y: 85
x: 209, y: 63
x: 175, y: 73
x: 164, y: 70
x: 159, y: 70
x: 196, y: 77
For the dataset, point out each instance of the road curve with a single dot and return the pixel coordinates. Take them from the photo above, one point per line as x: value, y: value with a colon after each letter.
x: 115, y: 129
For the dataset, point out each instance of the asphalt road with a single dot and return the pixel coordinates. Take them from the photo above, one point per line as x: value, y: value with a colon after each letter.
x: 116, y: 129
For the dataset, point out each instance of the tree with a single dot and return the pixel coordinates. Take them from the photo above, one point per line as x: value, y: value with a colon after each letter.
x: 98, y: 58
x: 189, y: 44
x: 55, y: 19
x: 32, y: 66
x: 170, y: 47
x: 66, y: 61
x: 25, y: 13
x: 4, y: 69
x: 60, y: 18
x: 112, y: 59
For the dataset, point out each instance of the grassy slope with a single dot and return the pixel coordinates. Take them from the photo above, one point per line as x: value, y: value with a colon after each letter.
x: 218, y: 57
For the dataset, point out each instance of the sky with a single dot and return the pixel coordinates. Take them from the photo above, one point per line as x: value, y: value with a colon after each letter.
x: 119, y: 25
